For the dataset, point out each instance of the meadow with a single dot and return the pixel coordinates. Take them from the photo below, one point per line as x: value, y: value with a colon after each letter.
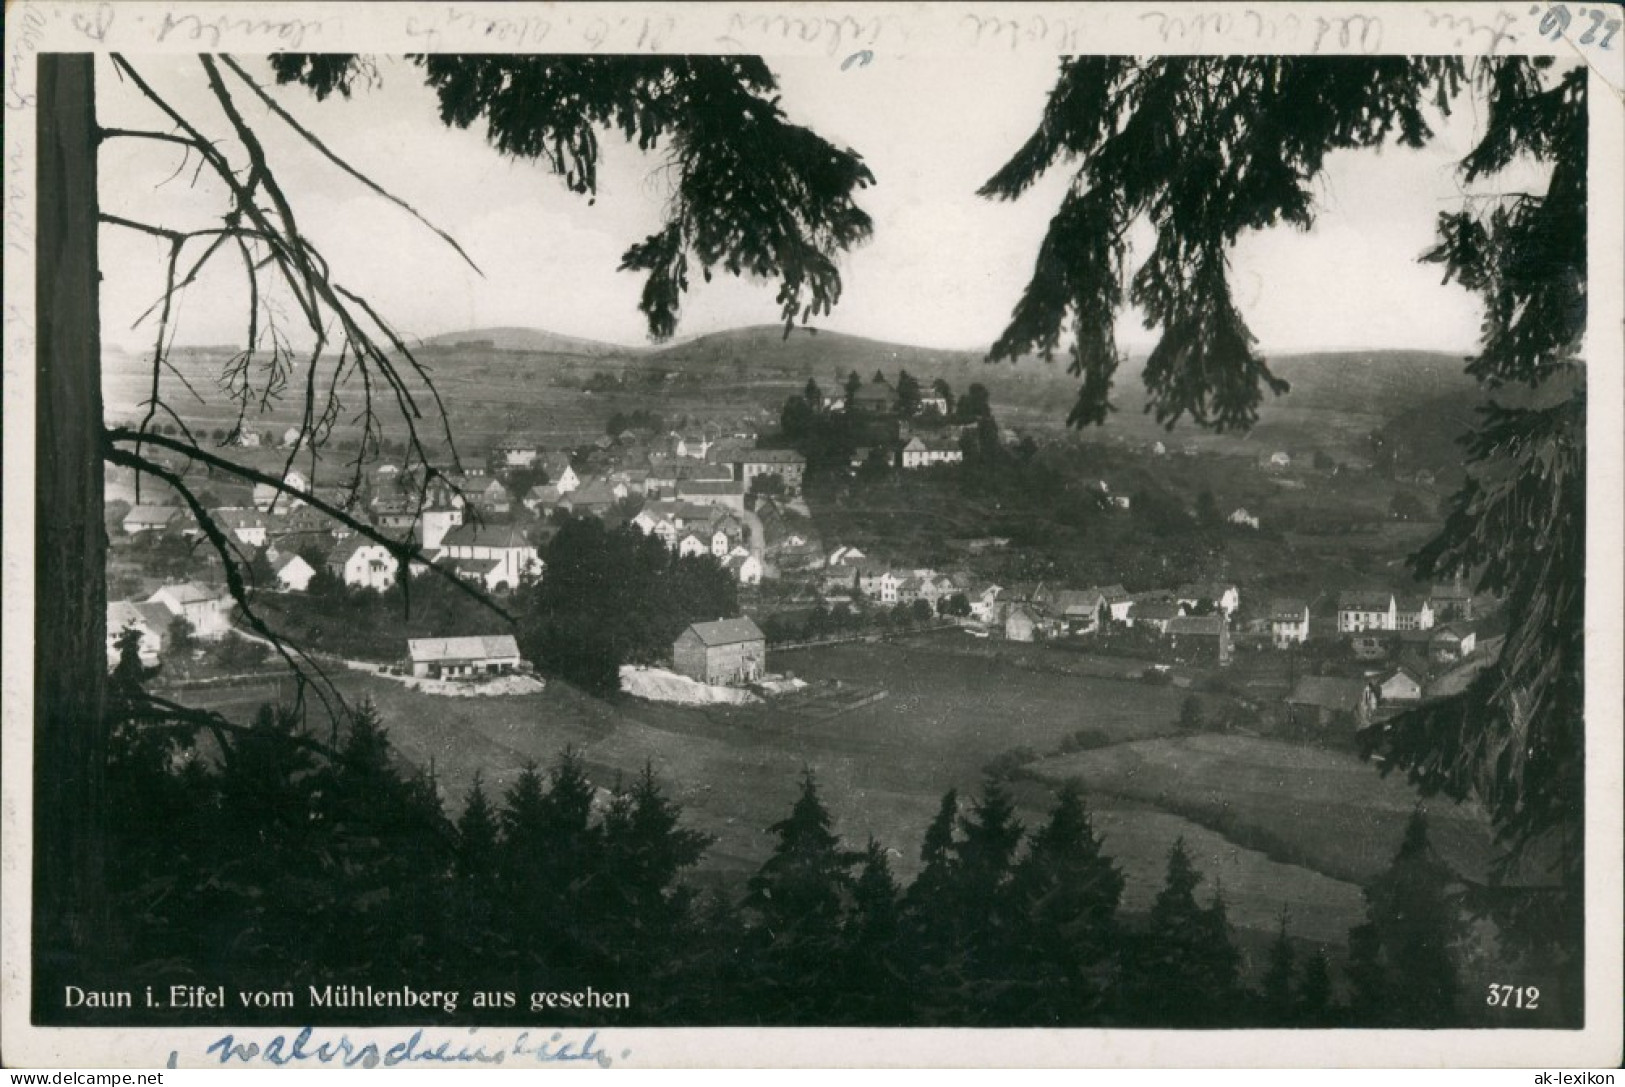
x: 882, y: 771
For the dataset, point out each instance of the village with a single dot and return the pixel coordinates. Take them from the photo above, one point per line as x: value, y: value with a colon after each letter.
x: 733, y: 491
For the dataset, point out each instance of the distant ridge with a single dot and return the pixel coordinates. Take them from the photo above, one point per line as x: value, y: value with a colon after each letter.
x: 537, y: 340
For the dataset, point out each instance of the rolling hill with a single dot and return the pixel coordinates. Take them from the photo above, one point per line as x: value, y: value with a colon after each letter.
x: 496, y: 379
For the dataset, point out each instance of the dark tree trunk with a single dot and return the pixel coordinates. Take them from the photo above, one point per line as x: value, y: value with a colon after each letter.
x: 70, y: 590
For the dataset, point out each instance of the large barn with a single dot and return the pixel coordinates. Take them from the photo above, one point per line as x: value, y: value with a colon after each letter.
x: 728, y: 651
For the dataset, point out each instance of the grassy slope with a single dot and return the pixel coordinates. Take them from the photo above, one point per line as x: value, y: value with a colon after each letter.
x: 881, y: 770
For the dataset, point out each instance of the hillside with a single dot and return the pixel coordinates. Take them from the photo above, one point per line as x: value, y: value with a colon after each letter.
x: 528, y: 340
x: 497, y: 379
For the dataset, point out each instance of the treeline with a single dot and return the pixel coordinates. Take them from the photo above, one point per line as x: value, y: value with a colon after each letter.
x: 286, y: 862
x: 615, y: 596
x: 823, y: 621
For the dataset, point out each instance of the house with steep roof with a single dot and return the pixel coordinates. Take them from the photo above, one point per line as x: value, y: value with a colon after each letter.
x: 292, y: 572
x: 560, y: 473
x: 727, y: 651
x: 745, y: 567
x: 1330, y: 702
x: 1452, y: 642
x: 516, y: 451
x: 1023, y: 623
x: 476, y: 655
x: 361, y: 563
x: 150, y: 620
x: 873, y: 398
x: 1193, y: 636
x: 1222, y: 595
x: 1451, y: 601
x: 1400, y: 684
x: 1081, y: 611
x: 207, y: 609
x: 1413, y: 613
x: 1362, y: 610
x: 266, y: 496
x: 246, y: 524
x: 1289, y: 622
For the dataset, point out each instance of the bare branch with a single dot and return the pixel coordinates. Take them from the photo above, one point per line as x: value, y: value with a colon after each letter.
x: 402, y: 551
x: 310, y: 138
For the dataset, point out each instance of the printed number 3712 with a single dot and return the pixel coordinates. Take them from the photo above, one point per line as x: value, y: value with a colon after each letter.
x: 1524, y: 997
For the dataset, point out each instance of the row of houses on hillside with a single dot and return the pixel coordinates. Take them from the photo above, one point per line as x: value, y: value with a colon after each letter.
x: 693, y: 529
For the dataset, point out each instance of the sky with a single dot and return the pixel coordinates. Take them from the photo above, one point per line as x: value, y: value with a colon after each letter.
x: 943, y: 269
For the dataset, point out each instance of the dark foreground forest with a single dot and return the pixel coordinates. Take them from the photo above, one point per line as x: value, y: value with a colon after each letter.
x: 268, y: 857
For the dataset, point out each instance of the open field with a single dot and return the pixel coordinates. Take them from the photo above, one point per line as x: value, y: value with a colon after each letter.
x: 882, y: 769
x: 1325, y: 810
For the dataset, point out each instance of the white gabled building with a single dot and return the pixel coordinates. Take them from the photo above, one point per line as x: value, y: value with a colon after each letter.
x: 207, y: 610
x: 1361, y: 611
x: 363, y: 564
x: 265, y: 495
x: 1289, y: 623
x: 292, y: 572
x: 507, y: 557
x: 923, y: 452
x: 150, y: 620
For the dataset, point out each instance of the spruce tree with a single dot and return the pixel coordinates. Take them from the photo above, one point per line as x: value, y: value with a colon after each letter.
x: 874, y: 976
x: 642, y: 909
x: 1406, y: 949
x: 1279, y: 1006
x: 1315, y: 991
x: 931, y: 920
x: 798, y: 898
x: 1183, y: 968
x: 1065, y: 893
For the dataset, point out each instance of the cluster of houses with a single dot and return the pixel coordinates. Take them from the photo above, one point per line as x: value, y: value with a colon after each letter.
x: 206, y: 610
x: 691, y: 528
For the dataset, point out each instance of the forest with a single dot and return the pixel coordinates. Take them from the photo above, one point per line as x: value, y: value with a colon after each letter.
x: 291, y: 861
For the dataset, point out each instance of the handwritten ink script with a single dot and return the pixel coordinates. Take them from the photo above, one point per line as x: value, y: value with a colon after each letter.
x: 1595, y: 27
x: 310, y: 1050
x: 562, y: 30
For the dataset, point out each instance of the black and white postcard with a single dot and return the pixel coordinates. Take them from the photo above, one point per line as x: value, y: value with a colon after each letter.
x: 531, y: 526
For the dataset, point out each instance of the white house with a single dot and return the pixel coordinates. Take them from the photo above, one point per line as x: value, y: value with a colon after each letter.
x: 209, y: 612
x: 744, y: 566
x: 923, y: 452
x: 434, y: 523
x: 1289, y: 623
x: 691, y: 544
x: 151, y: 620
x: 1400, y: 685
x: 1360, y: 611
x: 846, y: 556
x: 1119, y: 603
x: 293, y: 573
x: 247, y: 525
x: 516, y: 452
x: 291, y: 436
x: 1242, y: 518
x: 1413, y: 613
x: 483, y: 654
x: 695, y: 444
x: 559, y: 472
x: 266, y: 495
x: 1225, y: 597
x: 364, y: 564
x: 984, y: 605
